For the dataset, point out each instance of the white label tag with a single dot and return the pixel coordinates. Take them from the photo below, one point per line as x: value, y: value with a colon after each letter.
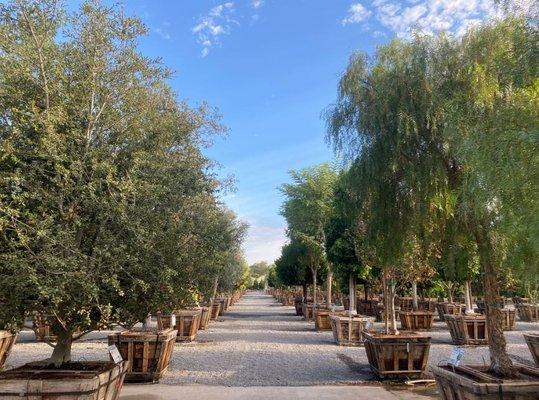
x: 456, y: 356
x: 115, y: 354
x: 173, y: 321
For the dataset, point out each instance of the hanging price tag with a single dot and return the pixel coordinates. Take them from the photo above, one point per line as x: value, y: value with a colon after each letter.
x: 456, y: 356
x: 115, y: 354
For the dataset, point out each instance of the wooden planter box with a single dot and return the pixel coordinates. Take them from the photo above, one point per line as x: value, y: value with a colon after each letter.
x: 397, y: 356
x: 450, y: 308
x: 416, y: 320
x: 94, y: 381
x: 205, y: 314
x: 222, y: 304
x: 427, y: 305
x: 42, y: 328
x: 405, y: 303
x: 367, y: 307
x: 348, y: 331
x: 187, y: 324
x: 474, y: 383
x: 148, y: 352
x: 528, y: 312
x: 321, y: 319
x: 298, y: 306
x: 7, y: 340
x: 468, y: 329
x: 215, y: 310
x: 532, y: 339
x: 307, y: 309
x: 509, y: 320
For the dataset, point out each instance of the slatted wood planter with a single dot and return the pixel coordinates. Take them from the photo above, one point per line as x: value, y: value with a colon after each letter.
x: 450, y: 308
x: 528, y: 312
x: 397, y: 356
x: 367, y: 307
x: 416, y: 320
x: 187, y: 324
x: 298, y: 306
x: 307, y: 311
x: 427, y: 305
x: 7, y: 340
x: 148, y: 352
x: 348, y: 331
x: 215, y: 310
x: 42, y: 328
x: 532, y: 339
x: 405, y: 303
x: 381, y: 312
x: 321, y: 318
x: 475, y: 383
x: 468, y: 329
x: 520, y: 300
x: 97, y: 381
x: 205, y: 315
x: 509, y: 318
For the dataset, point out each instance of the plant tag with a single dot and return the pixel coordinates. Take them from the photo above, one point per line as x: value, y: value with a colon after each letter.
x: 173, y: 321
x: 115, y: 354
x: 456, y: 356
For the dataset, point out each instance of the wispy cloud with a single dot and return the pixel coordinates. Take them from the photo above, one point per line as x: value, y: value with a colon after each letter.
x: 162, y: 33
x: 256, y: 4
x: 430, y: 16
x: 356, y: 13
x: 212, y: 26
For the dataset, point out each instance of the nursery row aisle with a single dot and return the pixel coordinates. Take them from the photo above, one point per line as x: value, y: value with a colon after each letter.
x: 261, y: 350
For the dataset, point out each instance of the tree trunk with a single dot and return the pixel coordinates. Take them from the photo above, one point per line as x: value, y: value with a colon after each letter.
x: 62, y: 350
x: 500, y: 363
x: 415, y: 305
x: 468, y: 297
x: 215, y: 287
x: 329, y: 283
x: 352, y: 294
x: 304, y: 288
x: 366, y: 288
x: 386, y: 305
x: 313, y: 270
x: 393, y: 320
x: 449, y: 293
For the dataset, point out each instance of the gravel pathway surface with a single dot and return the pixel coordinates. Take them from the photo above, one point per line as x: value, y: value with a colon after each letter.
x: 258, y: 342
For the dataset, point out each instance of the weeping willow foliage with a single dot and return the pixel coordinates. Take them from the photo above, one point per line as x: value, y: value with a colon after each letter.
x: 443, y: 134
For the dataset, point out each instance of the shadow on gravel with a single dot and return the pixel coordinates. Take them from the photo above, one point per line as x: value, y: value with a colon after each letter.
x: 362, y: 369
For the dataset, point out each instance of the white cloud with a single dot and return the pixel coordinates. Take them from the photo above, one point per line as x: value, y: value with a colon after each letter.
x: 216, y: 23
x: 162, y: 33
x: 356, y: 13
x: 430, y: 16
x: 256, y: 4
x: 264, y: 242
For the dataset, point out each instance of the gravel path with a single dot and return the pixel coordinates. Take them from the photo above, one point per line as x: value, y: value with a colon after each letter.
x: 258, y: 342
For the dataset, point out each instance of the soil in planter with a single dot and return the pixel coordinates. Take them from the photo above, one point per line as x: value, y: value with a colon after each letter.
x: 51, y: 371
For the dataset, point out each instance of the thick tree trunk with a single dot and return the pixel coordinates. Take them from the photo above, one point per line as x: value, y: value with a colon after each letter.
x: 352, y: 293
x: 62, y: 350
x: 415, y: 305
x: 386, y: 305
x: 304, y: 289
x: 329, y: 284
x: 468, y: 297
x: 500, y: 363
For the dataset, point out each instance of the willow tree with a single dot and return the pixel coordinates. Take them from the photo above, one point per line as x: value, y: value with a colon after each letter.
x: 307, y: 208
x: 446, y: 128
x: 101, y: 168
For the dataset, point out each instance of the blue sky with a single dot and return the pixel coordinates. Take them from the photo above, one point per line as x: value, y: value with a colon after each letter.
x: 271, y: 67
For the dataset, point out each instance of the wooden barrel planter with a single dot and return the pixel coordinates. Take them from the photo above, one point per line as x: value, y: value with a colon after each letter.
x: 416, y: 320
x: 7, y: 340
x: 148, y: 352
x: 91, y: 381
x: 397, y: 356
x: 532, y: 339
x: 205, y: 315
x: 468, y: 329
x: 528, y: 312
x: 367, y: 307
x: 348, y: 330
x: 476, y: 383
x: 298, y: 301
x: 215, y: 310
